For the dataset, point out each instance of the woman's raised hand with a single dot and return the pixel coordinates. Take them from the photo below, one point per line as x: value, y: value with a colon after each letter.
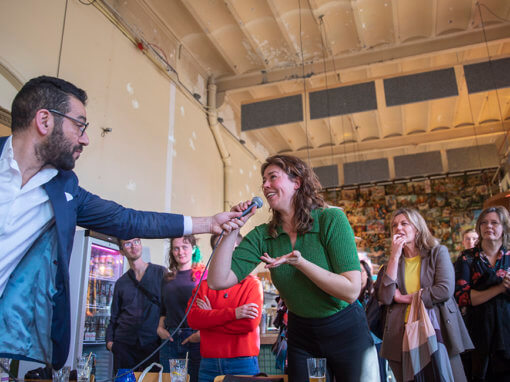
x: 243, y: 206
x: 397, y: 244
x: 293, y: 258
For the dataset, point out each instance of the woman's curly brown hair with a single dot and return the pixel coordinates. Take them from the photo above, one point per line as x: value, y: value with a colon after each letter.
x: 306, y: 198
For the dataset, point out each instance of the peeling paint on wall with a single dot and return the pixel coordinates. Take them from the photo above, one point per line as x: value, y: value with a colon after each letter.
x: 131, y: 186
x: 192, y: 144
x: 135, y: 104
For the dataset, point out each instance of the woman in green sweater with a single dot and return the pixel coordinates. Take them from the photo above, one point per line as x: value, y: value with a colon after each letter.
x: 311, y: 253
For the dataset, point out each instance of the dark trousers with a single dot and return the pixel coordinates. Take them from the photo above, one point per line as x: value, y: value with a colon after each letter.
x: 127, y: 356
x: 489, y: 368
x: 343, y: 339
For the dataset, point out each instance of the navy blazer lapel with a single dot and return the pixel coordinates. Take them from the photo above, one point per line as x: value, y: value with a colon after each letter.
x: 55, y: 190
x: 2, y: 143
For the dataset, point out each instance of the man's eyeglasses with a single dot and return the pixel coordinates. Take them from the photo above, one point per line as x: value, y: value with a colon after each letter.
x: 81, y: 125
x: 129, y: 244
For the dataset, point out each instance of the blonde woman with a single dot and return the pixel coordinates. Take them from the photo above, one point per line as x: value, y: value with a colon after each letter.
x: 417, y: 261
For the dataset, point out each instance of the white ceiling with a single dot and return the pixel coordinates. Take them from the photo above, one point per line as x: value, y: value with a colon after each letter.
x: 264, y: 49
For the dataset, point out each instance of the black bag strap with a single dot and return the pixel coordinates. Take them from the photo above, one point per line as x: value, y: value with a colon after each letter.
x: 142, y: 289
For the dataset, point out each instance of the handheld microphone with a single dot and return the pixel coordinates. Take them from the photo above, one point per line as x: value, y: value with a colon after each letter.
x: 256, y: 201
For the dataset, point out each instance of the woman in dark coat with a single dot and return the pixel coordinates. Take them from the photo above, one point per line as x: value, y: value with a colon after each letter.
x: 483, y: 287
x: 417, y: 261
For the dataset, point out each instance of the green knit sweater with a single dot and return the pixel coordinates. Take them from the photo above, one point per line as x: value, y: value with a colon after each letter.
x: 329, y: 244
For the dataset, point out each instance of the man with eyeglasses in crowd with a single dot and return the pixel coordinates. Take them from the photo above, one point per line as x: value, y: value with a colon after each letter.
x: 132, y: 333
x: 40, y: 205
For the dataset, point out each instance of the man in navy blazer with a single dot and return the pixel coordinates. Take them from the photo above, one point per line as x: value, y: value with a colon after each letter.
x: 40, y: 205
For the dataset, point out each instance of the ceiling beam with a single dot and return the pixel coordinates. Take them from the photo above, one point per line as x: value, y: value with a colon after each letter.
x: 210, y: 35
x: 283, y: 29
x: 418, y: 139
x: 410, y: 49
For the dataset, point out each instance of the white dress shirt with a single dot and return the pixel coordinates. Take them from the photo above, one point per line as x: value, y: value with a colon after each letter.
x: 23, y: 211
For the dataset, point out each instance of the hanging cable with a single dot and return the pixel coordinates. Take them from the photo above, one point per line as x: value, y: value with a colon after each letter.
x: 493, y: 77
x: 343, y: 117
x: 62, y: 39
x: 472, y: 119
x: 321, y: 25
x: 491, y: 12
x: 304, y: 85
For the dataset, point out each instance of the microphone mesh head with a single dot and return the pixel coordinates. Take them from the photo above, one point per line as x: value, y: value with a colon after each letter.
x: 257, y: 200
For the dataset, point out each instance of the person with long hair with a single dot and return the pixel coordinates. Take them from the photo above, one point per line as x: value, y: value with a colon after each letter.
x: 311, y: 253
x: 184, y: 272
x: 367, y: 284
x: 483, y: 288
x: 417, y: 261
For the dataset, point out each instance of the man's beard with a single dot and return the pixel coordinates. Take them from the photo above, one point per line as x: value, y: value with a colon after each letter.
x: 57, y: 150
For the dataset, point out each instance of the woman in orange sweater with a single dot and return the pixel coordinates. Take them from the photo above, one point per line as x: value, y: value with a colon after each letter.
x: 229, y: 317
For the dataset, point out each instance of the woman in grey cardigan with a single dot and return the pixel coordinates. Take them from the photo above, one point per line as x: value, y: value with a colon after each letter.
x: 417, y: 261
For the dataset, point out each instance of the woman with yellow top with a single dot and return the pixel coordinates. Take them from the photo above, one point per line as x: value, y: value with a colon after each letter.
x: 417, y: 261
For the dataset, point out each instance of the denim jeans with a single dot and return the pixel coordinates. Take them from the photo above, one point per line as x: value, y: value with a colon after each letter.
x: 175, y: 349
x: 212, y: 367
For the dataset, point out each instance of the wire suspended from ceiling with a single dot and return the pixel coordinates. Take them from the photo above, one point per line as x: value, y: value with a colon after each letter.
x: 305, y: 114
x: 62, y: 39
x: 354, y: 141
x: 328, y: 121
x: 493, y: 78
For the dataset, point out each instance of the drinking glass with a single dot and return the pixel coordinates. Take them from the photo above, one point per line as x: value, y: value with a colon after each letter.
x: 178, y: 370
x: 316, y: 369
x: 61, y: 375
x: 83, y: 369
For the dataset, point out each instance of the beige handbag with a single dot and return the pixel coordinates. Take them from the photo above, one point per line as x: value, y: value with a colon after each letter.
x: 420, y: 340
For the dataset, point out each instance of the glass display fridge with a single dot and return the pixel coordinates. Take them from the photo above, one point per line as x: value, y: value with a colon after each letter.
x: 95, y: 266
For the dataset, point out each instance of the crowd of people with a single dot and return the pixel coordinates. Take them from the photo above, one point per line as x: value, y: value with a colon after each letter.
x: 308, y: 246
